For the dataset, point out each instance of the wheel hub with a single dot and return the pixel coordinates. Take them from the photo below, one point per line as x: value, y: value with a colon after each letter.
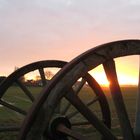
x: 55, y: 127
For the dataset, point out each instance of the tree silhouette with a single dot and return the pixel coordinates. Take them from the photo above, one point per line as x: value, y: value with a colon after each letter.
x: 48, y: 74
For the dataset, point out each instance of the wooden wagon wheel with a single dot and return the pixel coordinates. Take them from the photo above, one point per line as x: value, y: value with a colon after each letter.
x: 14, y: 79
x: 61, y: 86
x: 64, y: 115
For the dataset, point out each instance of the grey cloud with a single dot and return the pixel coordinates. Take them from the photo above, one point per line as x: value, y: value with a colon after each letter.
x: 50, y: 21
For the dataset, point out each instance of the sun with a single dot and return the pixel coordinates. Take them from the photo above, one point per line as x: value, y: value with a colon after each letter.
x: 99, y: 75
x: 125, y: 75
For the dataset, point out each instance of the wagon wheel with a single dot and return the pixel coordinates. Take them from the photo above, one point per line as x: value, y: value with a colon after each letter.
x: 61, y: 87
x: 64, y: 115
x: 39, y: 66
x: 24, y: 94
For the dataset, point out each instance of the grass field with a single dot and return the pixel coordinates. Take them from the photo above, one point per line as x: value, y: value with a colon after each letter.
x: 15, y: 96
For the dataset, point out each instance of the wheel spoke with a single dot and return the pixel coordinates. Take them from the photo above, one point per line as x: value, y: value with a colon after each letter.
x: 93, y: 101
x: 12, y: 107
x: 43, y: 78
x: 79, y: 87
x: 42, y: 74
x: 26, y: 91
x: 9, y: 128
x: 80, y: 123
x: 90, y: 116
x: 70, y: 133
x: 102, y: 99
x: 110, y: 71
x: 76, y: 90
x: 13, y: 78
x: 88, y: 104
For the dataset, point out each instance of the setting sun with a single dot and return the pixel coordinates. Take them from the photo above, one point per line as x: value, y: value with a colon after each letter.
x: 127, y: 72
x: 100, y: 77
x: 122, y: 78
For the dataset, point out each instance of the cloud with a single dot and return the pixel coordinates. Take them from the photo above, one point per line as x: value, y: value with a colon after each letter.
x: 64, y: 24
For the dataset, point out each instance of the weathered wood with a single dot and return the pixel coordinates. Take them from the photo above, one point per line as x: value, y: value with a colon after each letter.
x: 42, y: 74
x: 90, y: 116
x: 70, y: 133
x: 76, y: 91
x: 25, y: 90
x: 65, y: 79
x: 137, y: 123
x: 101, y: 98
x: 110, y: 70
x: 12, y: 107
x: 9, y: 128
x: 69, y: 116
x: 14, y: 79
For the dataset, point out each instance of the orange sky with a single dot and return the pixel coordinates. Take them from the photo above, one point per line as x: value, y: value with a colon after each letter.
x: 127, y: 72
x: 62, y: 29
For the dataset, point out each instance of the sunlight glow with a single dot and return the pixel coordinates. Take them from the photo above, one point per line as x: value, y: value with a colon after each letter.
x: 122, y: 78
x: 30, y: 77
x: 127, y: 72
x: 100, y: 77
x: 127, y: 80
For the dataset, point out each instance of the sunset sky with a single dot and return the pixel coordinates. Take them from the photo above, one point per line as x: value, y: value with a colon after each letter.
x: 33, y: 30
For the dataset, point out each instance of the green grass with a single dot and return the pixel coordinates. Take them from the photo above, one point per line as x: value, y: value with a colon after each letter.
x: 15, y: 96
